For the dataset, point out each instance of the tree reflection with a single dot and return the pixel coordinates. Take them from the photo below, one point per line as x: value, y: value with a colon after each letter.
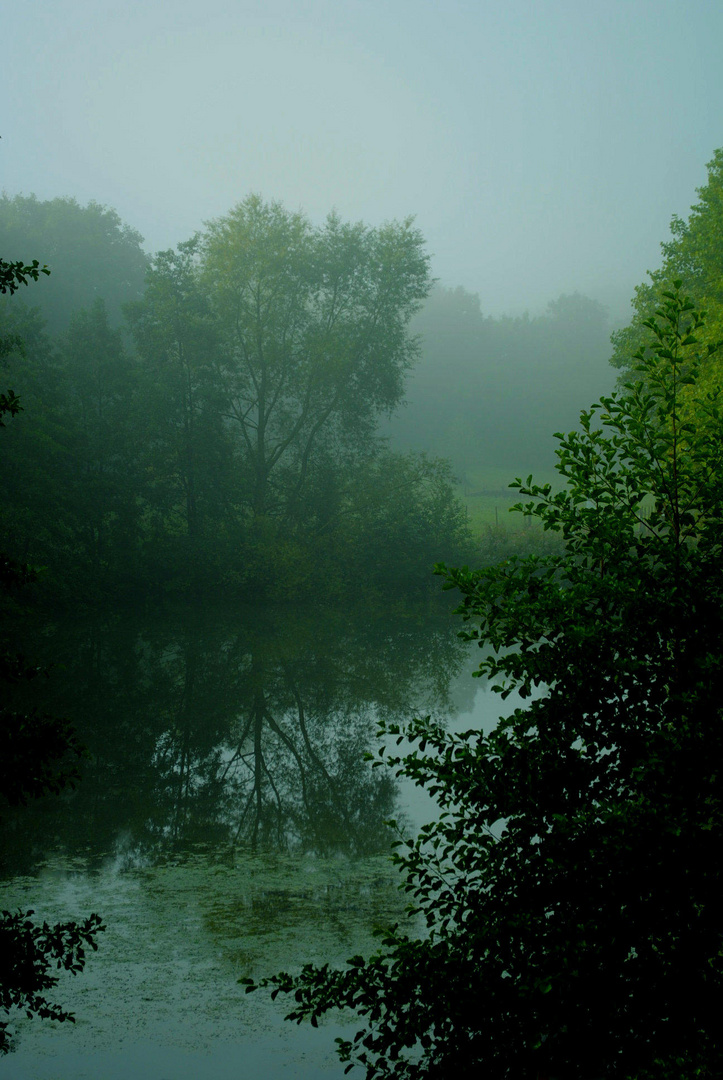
x: 297, y: 775
x: 244, y: 730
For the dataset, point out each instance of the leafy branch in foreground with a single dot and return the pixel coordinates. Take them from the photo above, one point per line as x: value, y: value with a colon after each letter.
x: 15, y: 274
x: 571, y: 883
x: 30, y: 953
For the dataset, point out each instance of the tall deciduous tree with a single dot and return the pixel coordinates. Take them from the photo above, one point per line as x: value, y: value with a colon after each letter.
x: 314, y: 326
x: 571, y: 886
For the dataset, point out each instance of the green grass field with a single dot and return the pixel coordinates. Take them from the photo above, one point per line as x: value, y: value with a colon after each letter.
x: 488, y: 497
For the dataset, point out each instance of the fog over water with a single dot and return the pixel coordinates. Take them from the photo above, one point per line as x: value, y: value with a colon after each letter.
x: 543, y: 147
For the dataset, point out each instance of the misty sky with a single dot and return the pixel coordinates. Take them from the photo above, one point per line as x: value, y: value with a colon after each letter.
x: 542, y: 147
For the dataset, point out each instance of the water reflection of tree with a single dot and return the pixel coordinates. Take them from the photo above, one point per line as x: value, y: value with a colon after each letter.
x: 297, y: 773
x: 245, y: 729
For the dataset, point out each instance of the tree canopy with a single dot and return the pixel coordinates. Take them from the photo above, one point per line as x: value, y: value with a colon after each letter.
x: 571, y: 885
x: 228, y: 439
x: 314, y: 325
x: 694, y: 253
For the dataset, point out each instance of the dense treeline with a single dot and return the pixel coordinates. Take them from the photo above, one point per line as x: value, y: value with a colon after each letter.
x: 231, y: 415
x: 225, y: 435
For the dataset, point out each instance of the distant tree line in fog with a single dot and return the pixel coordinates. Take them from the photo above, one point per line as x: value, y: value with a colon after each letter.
x: 489, y: 392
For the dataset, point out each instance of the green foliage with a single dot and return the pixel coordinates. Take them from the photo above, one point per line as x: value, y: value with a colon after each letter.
x: 38, y: 756
x: 525, y: 537
x: 35, y: 492
x: 184, y: 448
x: 12, y: 276
x: 9, y: 405
x: 100, y: 466
x: 571, y: 885
x: 694, y: 254
x: 15, y: 274
x: 236, y: 448
x: 397, y: 516
x: 314, y: 328
x: 30, y: 952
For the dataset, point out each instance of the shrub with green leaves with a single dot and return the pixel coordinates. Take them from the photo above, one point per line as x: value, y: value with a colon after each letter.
x: 571, y: 885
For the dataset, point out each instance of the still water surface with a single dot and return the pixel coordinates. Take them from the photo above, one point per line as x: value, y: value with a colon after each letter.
x: 226, y: 825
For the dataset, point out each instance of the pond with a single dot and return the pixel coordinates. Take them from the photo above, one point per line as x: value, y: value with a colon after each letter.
x: 227, y: 824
